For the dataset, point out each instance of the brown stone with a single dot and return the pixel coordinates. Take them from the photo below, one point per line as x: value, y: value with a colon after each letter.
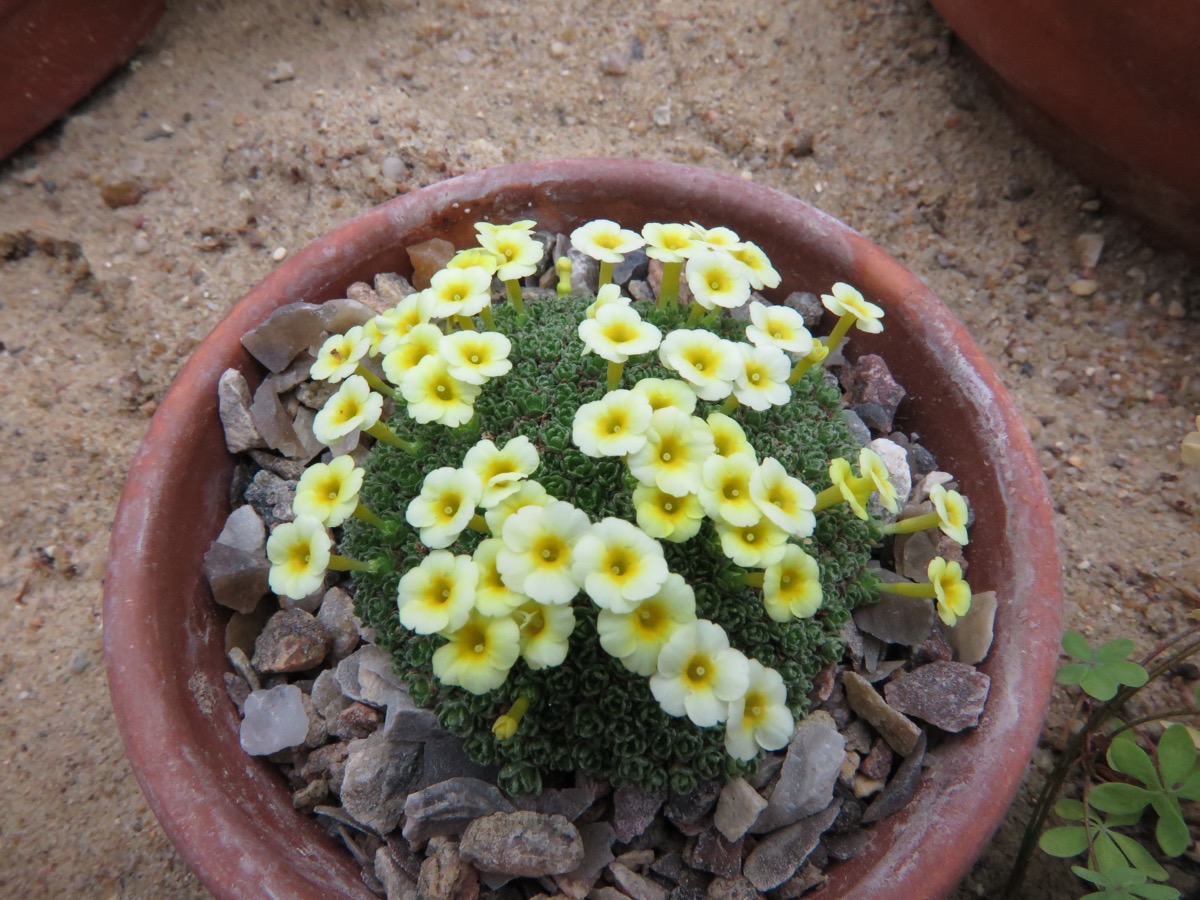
x: 292, y: 642
x: 121, y: 193
x: 522, y: 843
x: 949, y: 695
x: 897, y: 729
x: 428, y: 258
x: 444, y: 874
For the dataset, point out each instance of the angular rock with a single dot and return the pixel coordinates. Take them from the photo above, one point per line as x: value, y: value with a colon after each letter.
x: 449, y: 807
x: 377, y: 779
x: 809, y: 877
x: 298, y: 371
x: 846, y: 846
x: 522, y: 843
x: 310, y: 794
x: 948, y: 695
x: 859, y: 431
x: 597, y: 839
x: 328, y: 762
x: 445, y: 875
x: 287, y: 469
x: 286, y: 333
x: 238, y: 579
x: 779, y: 855
x: 271, y: 498
x: 896, y: 728
x: 810, y: 770
x: 243, y: 530
x: 318, y: 730
x: 737, y: 808
x: 686, y: 811
x: 935, y: 649
x: 342, y: 314
x: 233, y: 400
x: 408, y: 722
x: 878, y: 763
x: 640, y: 290
x: 292, y: 641
x: 635, y: 885
x: 713, y: 853
x: 315, y: 394
x: 306, y: 438
x: 870, y: 381
x: 633, y: 811
x: 392, y: 288
x: 808, y: 305
x: 428, y: 257
x: 971, y: 636
x: 396, y: 883
x: 635, y: 265
x: 337, y: 617
x: 366, y: 658
x: 897, y: 620
x: 913, y: 554
x: 446, y: 759
x: 356, y: 721
x: 901, y: 788
x: 570, y: 803
x: 273, y: 422
x: 275, y: 720
x: 238, y: 690
x: 327, y: 696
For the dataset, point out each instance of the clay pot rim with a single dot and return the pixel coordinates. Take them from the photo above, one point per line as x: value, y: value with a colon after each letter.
x: 922, y: 851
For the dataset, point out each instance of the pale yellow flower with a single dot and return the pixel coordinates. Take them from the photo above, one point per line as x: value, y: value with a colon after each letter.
x: 299, y: 554
x: 614, y: 425
x: 778, y: 326
x: 355, y: 407
x: 670, y: 242
x: 459, y: 292
x: 728, y: 436
x: 674, y: 453
x: 786, y: 501
x: 716, y: 279
x: 760, y: 718
x: 636, y: 638
x: 417, y: 343
x: 952, y: 512
x: 719, y: 238
x: 492, y: 596
x: 617, y: 333
x: 434, y: 395
x: 605, y: 241
x: 518, y: 251
x: 705, y: 361
x: 763, y: 380
x: 538, y: 551
x: 329, y: 492
x: 339, y: 355
x: 792, y: 586
x: 529, y: 493
x: 725, y: 490
x: 953, y: 595
x: 699, y: 674
x: 445, y: 505
x: 545, y: 633
x: 759, y: 270
x: 753, y: 546
x: 474, y: 257
x: 618, y: 564
x: 665, y: 516
x: 608, y: 293
x: 395, y: 324
x: 664, y: 392
x: 475, y: 357
x: 873, y: 476
x: 479, y: 654
x: 845, y: 300
x: 438, y: 594
x: 501, y: 470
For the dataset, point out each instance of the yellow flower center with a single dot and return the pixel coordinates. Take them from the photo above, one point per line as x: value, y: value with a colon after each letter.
x: 473, y: 640
x: 549, y: 549
x: 650, y: 620
x: 699, y: 671
x: 756, y: 706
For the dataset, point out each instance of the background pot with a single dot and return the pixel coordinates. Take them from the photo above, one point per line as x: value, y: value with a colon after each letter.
x: 230, y: 815
x: 52, y: 52
x: 1110, y: 88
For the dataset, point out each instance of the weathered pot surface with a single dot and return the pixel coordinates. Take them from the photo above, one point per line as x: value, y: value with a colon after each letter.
x: 1109, y: 87
x: 230, y: 815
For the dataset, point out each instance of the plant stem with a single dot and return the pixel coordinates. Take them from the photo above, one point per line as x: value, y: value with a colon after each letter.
x: 345, y: 564
x: 381, y: 432
x: 909, y: 525
x: 512, y: 287
x: 696, y: 314
x: 668, y: 291
x: 839, y: 331
x: 615, y: 371
x: 605, y: 274
x: 364, y: 514
x: 486, y: 315
x: 924, y: 590
x: 375, y: 382
x: 465, y: 323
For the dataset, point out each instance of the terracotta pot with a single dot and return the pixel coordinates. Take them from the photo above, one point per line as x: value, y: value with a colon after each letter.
x: 230, y: 815
x: 1109, y: 87
x: 52, y: 52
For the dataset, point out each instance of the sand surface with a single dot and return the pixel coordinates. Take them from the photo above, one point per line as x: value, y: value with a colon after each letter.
x: 252, y: 128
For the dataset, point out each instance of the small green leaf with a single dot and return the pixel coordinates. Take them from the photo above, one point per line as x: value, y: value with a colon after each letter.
x: 1176, y: 756
x: 1118, y: 820
x: 1130, y: 759
x: 1108, y: 855
x: 1099, y: 683
x: 1114, y: 650
x: 1071, y: 810
x: 1139, y: 857
x: 1076, y: 646
x: 1072, y: 673
x: 1190, y: 790
x: 1065, y: 842
x: 1154, y: 891
x: 1171, y: 832
x: 1089, y: 876
x: 1128, y: 673
x: 1119, y: 798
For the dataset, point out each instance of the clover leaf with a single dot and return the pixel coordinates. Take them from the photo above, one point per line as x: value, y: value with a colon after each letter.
x: 1102, y: 671
x: 1123, y: 883
x: 1111, y: 849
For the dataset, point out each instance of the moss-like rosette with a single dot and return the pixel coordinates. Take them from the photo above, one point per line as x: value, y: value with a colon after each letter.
x: 590, y: 713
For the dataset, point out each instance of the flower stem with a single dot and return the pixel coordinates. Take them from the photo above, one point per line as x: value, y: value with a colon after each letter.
x: 605, y: 273
x: 907, y: 589
x: 563, y: 268
x: 730, y: 404
x: 512, y: 287
x: 376, y: 383
x: 486, y: 315
x: 345, y: 564
x: 912, y: 524
x: 816, y: 355
x: 363, y: 513
x: 615, y: 370
x: 839, y: 331
x: 465, y: 323
x: 506, y: 726
x: 381, y: 432
x: 831, y: 496
x: 696, y: 314
x: 668, y: 291
x: 478, y: 523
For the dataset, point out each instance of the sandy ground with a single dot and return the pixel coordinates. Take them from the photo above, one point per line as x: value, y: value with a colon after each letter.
x: 99, y: 306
